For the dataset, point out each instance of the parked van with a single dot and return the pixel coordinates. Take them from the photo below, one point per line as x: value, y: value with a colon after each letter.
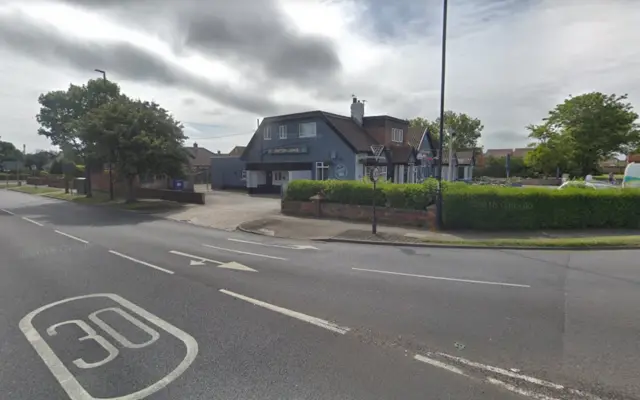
x: 631, y: 176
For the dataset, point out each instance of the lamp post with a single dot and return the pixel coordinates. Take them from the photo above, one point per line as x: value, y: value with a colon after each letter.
x: 104, y: 80
x: 441, y: 133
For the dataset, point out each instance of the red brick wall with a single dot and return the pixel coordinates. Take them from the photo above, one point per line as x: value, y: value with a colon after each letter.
x: 386, y: 216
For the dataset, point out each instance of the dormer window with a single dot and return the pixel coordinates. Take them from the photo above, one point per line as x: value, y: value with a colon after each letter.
x: 397, y: 135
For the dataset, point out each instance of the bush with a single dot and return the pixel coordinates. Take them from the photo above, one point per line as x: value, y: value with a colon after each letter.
x: 416, y: 196
x: 505, y: 208
x: 12, y: 176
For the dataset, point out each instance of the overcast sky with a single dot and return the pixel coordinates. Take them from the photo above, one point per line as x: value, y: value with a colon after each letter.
x: 219, y: 65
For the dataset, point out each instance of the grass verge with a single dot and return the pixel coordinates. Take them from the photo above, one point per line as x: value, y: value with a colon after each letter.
x: 630, y: 241
x: 34, y: 189
x: 99, y: 198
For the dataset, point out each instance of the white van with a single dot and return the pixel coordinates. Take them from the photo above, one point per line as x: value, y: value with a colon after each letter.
x: 631, y: 177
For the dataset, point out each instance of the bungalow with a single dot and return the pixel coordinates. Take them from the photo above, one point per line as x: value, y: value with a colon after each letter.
x: 320, y: 145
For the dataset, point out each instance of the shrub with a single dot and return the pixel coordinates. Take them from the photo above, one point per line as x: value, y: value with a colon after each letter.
x: 417, y: 196
x: 506, y: 208
x: 12, y: 176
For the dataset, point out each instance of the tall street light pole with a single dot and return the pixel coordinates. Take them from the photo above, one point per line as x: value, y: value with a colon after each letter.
x: 441, y: 136
x: 104, y: 80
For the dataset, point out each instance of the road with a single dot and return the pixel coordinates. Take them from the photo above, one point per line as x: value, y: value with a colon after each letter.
x: 103, y: 303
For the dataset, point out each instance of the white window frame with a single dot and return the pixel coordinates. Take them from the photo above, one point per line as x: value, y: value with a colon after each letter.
x: 282, y: 131
x: 302, y: 135
x: 266, y: 134
x: 397, y: 135
x: 322, y: 171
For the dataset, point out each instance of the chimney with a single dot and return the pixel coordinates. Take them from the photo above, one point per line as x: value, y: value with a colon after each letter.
x: 195, y: 147
x: 218, y: 151
x: 357, y: 111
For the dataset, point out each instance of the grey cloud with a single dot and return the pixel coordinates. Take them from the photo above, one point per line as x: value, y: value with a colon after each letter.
x: 253, y: 34
x: 46, y: 44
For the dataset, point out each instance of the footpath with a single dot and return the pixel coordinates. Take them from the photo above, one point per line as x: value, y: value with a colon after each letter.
x: 350, y: 232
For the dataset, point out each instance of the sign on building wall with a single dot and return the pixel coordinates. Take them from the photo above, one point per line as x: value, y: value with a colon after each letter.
x: 340, y: 171
x: 288, y: 150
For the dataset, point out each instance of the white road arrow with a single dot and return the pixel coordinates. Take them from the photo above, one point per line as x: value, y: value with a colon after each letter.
x: 290, y: 247
x: 197, y: 260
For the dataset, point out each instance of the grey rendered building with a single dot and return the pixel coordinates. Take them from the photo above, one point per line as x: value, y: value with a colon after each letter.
x: 320, y: 145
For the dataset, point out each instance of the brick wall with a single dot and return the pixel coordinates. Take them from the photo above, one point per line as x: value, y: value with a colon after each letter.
x: 385, y: 216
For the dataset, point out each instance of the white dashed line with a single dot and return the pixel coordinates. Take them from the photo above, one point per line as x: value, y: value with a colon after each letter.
x: 32, y: 221
x: 517, y: 390
x: 502, y: 371
x: 245, y: 252
x: 294, y: 314
x: 439, y: 364
x: 443, y: 278
x: 72, y: 237
x: 141, y: 262
x: 7, y: 211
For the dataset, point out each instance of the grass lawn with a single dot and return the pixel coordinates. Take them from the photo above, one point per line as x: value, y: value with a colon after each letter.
x: 149, y: 206
x: 631, y: 241
x: 98, y: 198
x: 34, y: 189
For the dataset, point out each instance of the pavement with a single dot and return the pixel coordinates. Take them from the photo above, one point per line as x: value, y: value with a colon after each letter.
x: 100, y: 303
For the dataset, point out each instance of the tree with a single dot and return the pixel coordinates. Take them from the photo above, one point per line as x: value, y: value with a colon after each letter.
x: 40, y: 158
x: 584, y: 130
x: 61, y: 113
x: 466, y: 129
x: 146, y: 137
x: 9, y: 152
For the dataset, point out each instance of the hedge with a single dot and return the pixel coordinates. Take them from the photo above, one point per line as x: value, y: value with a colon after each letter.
x: 416, y: 196
x: 504, y: 208
x: 490, y: 207
x: 12, y: 176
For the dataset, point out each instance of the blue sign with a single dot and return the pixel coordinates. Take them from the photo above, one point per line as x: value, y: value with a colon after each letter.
x: 340, y: 171
x: 178, y: 184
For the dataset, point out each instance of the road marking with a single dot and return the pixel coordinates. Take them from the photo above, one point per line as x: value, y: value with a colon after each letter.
x: 523, y: 392
x: 443, y: 278
x: 32, y: 221
x: 141, y: 262
x: 201, y: 259
x: 290, y: 247
x: 197, y: 260
x: 7, y: 211
x: 72, y: 237
x: 68, y: 381
x: 502, y: 371
x: 439, y: 364
x: 245, y: 252
x: 294, y: 314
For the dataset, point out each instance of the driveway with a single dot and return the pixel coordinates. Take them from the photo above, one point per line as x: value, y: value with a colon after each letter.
x: 226, y: 210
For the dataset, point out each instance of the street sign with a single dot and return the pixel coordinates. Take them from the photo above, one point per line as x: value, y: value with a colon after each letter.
x: 377, y: 149
x: 375, y: 174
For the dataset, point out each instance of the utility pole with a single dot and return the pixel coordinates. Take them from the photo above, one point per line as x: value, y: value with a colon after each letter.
x: 441, y: 136
x: 110, y: 155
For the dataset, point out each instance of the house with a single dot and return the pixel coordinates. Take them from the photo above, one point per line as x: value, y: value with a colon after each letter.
x: 237, y: 151
x: 421, y: 140
x: 463, y: 163
x: 320, y: 145
x: 228, y: 171
x: 199, y: 163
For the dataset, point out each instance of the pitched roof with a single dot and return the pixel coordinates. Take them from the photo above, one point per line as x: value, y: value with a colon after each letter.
x: 353, y: 133
x: 414, y: 136
x: 237, y: 151
x: 199, y: 155
x: 401, y: 154
x: 521, y: 152
x: 497, y: 153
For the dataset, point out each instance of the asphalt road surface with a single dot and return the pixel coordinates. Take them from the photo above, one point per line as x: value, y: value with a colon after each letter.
x: 103, y: 303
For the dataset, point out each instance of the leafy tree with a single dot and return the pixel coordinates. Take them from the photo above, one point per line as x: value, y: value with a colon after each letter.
x: 466, y: 129
x: 9, y: 152
x: 584, y: 130
x: 146, y: 138
x: 39, y: 158
x: 61, y: 112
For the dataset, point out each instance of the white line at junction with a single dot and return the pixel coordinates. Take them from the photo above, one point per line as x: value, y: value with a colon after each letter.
x: 442, y: 278
x: 7, y: 211
x: 290, y: 313
x: 245, y: 252
x: 72, y: 237
x: 32, y: 221
x: 141, y: 262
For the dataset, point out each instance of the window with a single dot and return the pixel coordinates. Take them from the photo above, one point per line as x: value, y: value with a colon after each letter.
x: 322, y: 171
x: 282, y: 130
x: 279, y: 177
x: 397, y: 135
x: 307, y: 130
x: 267, y: 133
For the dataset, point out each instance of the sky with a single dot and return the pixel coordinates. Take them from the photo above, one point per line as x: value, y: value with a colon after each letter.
x: 218, y: 66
